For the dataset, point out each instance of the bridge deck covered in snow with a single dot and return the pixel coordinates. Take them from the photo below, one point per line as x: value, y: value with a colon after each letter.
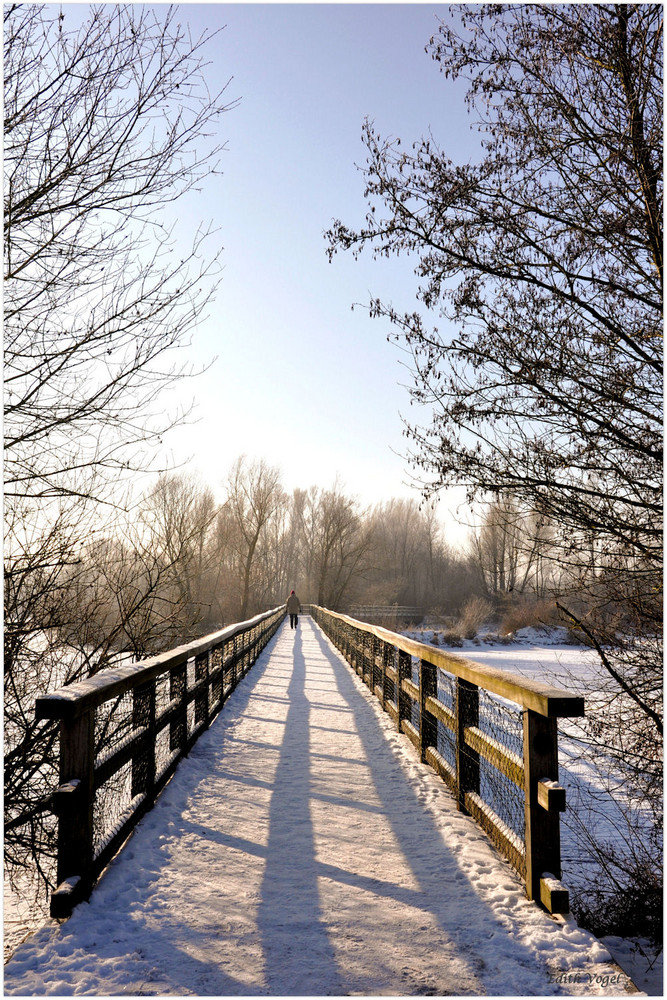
x: 302, y: 848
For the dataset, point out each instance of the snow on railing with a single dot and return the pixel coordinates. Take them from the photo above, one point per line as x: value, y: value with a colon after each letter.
x: 122, y: 734
x: 491, y: 736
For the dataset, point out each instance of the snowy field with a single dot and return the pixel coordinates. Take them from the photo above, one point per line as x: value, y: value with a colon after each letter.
x: 303, y: 849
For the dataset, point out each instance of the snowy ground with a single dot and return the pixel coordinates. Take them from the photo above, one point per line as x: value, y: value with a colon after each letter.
x: 303, y: 849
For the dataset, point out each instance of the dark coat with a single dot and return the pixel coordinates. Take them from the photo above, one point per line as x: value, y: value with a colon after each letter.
x: 293, y: 605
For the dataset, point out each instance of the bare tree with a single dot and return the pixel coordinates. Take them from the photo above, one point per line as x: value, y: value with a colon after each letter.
x: 336, y: 541
x: 117, y: 599
x: 511, y: 547
x: 105, y: 126
x: 108, y: 123
x: 254, y: 496
x: 406, y: 553
x: 178, y: 514
x: 546, y: 259
x: 279, y: 557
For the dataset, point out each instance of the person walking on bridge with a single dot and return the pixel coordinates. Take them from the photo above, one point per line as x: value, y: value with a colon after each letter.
x: 293, y: 608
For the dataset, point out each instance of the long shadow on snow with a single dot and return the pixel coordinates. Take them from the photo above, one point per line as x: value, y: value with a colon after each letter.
x: 289, y: 914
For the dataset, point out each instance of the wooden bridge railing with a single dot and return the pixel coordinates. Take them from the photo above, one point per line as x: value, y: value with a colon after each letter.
x: 123, y: 732
x: 490, y: 734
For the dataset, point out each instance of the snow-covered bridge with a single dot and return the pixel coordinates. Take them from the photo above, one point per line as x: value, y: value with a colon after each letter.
x: 302, y: 848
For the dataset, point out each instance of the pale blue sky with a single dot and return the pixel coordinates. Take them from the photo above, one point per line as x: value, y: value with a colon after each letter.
x: 301, y: 380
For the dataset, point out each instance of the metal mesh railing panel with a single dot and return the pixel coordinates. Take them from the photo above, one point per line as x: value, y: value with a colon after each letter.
x: 391, y: 688
x: 446, y: 690
x: 415, y: 709
x: 163, y: 751
x: 113, y: 725
x: 446, y: 744
x: 445, y: 736
x: 503, y: 723
x: 162, y: 694
x: 111, y: 807
x: 502, y: 720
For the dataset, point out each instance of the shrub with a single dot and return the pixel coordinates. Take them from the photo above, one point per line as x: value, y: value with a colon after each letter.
x: 475, y: 613
x: 634, y: 910
x: 495, y: 638
x: 527, y: 614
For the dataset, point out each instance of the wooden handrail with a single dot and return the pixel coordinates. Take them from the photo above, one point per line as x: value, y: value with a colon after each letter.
x: 74, y: 699
x: 541, y: 698
x: 384, y: 660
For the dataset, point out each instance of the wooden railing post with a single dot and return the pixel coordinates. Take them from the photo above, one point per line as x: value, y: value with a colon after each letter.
x: 467, y: 759
x: 73, y: 803
x: 542, y: 836
x: 428, y: 726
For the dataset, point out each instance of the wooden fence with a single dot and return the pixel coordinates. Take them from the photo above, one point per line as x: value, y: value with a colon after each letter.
x: 122, y: 734
x: 455, y: 712
x: 386, y: 614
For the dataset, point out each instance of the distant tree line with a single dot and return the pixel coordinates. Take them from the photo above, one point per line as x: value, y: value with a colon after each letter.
x: 213, y: 562
x: 185, y: 560
x: 185, y: 563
